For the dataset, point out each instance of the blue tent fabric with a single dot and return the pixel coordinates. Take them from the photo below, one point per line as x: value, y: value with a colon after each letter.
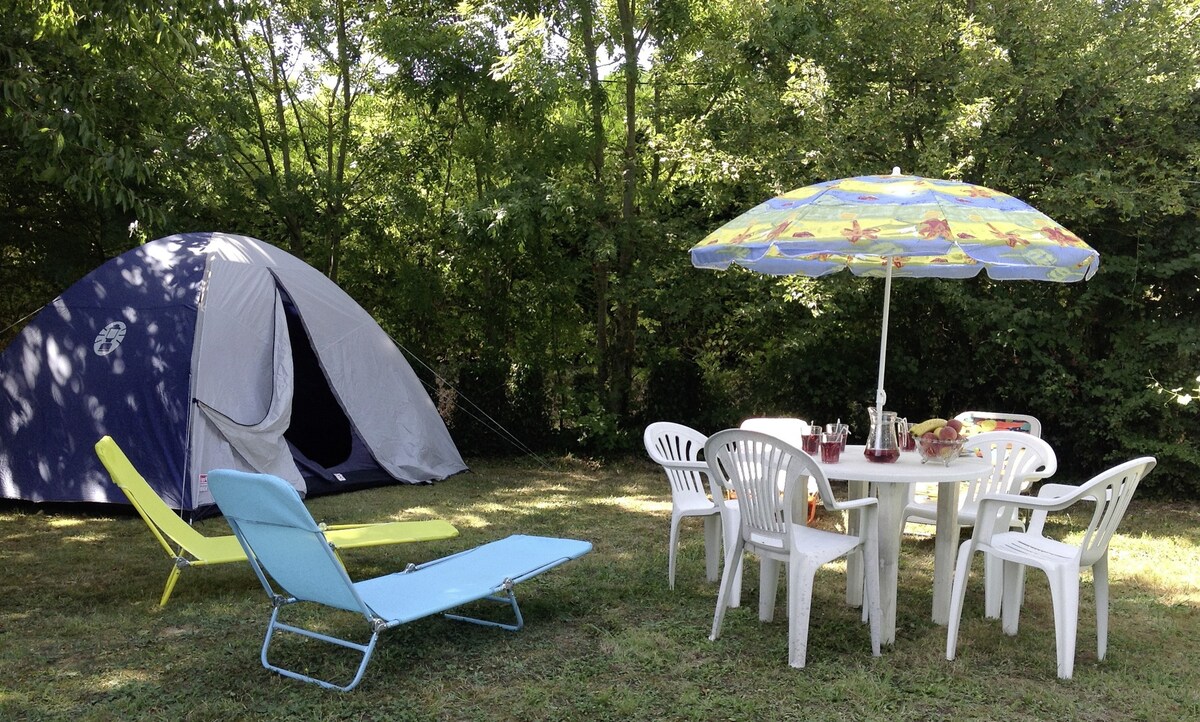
x: 186, y: 382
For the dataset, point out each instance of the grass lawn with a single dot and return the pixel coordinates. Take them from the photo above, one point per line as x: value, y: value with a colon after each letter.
x: 82, y: 636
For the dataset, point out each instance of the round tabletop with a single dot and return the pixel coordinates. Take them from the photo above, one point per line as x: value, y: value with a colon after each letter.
x: 908, y: 469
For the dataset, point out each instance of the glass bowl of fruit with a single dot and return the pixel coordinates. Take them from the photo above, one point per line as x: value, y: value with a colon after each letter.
x: 938, y: 441
x: 939, y: 451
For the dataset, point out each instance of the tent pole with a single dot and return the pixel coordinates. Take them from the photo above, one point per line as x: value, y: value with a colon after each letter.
x: 880, y: 394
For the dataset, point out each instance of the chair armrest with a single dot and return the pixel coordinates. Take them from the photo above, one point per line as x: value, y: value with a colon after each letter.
x: 1051, y: 497
x: 1056, y: 490
x: 685, y: 465
x: 1037, y: 521
x: 849, y: 504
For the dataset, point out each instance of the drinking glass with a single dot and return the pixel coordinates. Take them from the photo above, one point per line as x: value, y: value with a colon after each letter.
x: 906, y: 440
x: 831, y: 447
x: 811, y: 442
x: 839, y: 428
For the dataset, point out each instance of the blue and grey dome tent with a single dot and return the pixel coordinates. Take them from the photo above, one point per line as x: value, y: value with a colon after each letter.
x: 208, y: 350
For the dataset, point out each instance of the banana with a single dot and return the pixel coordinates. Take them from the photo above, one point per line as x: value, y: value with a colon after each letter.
x: 927, y: 425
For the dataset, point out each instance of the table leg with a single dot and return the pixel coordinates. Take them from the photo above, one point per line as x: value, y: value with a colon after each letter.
x: 854, y: 568
x: 892, y: 498
x: 945, y: 546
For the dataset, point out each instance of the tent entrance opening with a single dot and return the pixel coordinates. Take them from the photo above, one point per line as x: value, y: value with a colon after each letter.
x: 328, y: 451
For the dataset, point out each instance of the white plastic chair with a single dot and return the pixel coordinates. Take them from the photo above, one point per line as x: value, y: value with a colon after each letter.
x: 1004, y: 421
x: 1018, y: 460
x: 789, y: 430
x: 771, y: 524
x: 679, y: 450
x: 1110, y: 491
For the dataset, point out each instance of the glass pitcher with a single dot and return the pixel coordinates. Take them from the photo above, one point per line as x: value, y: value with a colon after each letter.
x: 881, y: 444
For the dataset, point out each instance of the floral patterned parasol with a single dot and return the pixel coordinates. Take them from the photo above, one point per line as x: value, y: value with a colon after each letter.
x: 927, y: 227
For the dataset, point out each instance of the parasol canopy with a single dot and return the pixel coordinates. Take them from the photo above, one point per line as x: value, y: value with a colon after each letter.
x: 898, y: 226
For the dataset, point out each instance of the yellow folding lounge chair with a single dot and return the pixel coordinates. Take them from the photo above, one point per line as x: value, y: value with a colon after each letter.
x: 189, y: 548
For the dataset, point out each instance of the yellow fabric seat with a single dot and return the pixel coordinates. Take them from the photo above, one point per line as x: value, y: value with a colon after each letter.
x: 189, y: 548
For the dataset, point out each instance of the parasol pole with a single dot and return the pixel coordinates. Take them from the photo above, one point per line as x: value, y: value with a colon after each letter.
x: 880, y: 394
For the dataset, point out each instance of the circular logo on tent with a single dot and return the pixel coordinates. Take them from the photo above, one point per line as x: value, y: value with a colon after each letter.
x: 109, y: 338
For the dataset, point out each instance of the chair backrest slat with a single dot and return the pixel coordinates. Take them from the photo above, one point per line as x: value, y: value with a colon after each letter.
x: 666, y: 442
x: 978, y: 422
x: 783, y: 428
x: 765, y: 473
x: 1015, y: 458
x: 1112, y: 491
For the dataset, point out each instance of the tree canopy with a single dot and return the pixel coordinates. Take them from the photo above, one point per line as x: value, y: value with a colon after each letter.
x: 511, y: 188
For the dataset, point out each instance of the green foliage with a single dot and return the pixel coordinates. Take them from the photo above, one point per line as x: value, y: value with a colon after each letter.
x: 461, y: 173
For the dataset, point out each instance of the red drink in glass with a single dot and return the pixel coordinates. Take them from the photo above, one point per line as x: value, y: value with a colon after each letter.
x: 810, y: 443
x: 831, y: 450
x: 883, y: 456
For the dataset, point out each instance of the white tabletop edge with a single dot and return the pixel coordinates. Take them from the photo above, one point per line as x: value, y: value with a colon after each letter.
x: 908, y: 469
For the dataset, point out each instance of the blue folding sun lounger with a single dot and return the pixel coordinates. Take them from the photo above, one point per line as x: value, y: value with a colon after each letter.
x: 284, y: 544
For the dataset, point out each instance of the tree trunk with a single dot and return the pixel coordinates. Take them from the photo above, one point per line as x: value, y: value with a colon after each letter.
x: 625, y: 312
x: 600, y: 264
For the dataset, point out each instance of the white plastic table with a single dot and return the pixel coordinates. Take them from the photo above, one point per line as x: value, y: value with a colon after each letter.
x: 890, y: 484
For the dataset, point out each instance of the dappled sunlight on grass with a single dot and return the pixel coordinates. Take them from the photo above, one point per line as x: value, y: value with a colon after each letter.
x: 1165, y: 566
x: 91, y: 538
x: 470, y: 521
x: 606, y: 638
x: 122, y: 678
x: 639, y: 504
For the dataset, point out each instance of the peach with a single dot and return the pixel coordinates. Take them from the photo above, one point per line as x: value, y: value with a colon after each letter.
x: 947, y: 433
x: 955, y: 424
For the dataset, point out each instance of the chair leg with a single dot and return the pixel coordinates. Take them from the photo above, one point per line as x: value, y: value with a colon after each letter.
x: 859, y: 556
x: 801, y: 574
x: 1064, y: 593
x: 712, y: 547
x: 727, y: 574
x: 993, y: 577
x: 171, y: 579
x: 672, y: 544
x: 730, y: 532
x: 1014, y: 597
x: 768, y: 587
x: 1100, y: 584
x: 366, y: 650
x: 962, y: 568
x: 993, y: 586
